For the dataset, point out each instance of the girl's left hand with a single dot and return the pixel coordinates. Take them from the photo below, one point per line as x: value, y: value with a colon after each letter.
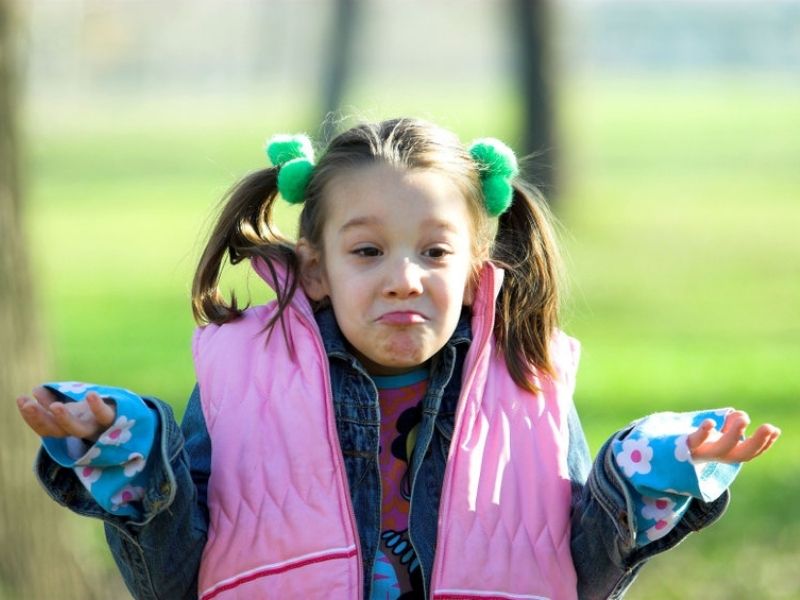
x: 730, y: 445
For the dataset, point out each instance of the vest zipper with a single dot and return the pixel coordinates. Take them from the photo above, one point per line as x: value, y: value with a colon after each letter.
x: 380, y: 480
x: 467, y: 377
x: 339, y: 458
x: 411, y: 537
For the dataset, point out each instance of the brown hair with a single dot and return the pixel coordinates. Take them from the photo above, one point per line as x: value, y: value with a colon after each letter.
x: 521, y: 241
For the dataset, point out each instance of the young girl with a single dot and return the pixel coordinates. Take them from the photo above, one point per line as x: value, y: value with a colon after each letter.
x: 398, y: 423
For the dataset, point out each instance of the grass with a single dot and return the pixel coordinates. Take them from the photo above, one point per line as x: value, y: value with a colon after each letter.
x: 686, y: 286
x: 679, y: 214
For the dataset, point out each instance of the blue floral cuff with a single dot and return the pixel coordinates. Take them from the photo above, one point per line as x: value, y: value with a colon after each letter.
x: 114, y: 469
x: 661, y: 475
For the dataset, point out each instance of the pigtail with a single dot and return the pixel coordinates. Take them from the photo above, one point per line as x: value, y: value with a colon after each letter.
x: 527, y: 307
x: 244, y: 230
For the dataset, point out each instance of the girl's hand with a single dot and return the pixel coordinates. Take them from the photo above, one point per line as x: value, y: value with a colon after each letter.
x: 86, y: 419
x: 730, y: 445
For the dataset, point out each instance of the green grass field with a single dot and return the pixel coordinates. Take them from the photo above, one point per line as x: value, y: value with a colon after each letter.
x: 679, y: 215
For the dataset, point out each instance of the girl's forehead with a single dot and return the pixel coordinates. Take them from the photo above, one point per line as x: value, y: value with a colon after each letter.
x: 386, y: 193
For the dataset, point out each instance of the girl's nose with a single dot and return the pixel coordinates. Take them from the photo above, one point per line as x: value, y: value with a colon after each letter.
x: 403, y: 280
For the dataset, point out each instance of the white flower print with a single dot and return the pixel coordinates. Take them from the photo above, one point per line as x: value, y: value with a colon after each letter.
x: 87, y: 458
x: 76, y: 387
x: 666, y: 424
x: 661, y: 528
x: 134, y: 464
x: 635, y: 456
x: 657, y: 531
x: 682, y: 453
x: 88, y: 475
x: 118, y: 433
x: 126, y: 495
x: 657, y: 508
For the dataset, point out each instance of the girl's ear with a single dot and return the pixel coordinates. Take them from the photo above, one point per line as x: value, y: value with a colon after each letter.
x: 469, y: 291
x: 312, y: 271
x: 472, y: 285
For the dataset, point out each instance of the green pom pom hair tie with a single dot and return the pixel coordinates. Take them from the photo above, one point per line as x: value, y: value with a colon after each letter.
x: 294, y: 155
x: 497, y: 166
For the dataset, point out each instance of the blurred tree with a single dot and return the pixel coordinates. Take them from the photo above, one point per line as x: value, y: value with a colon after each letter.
x: 347, y: 12
x: 36, y: 559
x: 532, y: 23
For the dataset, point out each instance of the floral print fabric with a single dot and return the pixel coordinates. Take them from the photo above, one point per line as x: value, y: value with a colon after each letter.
x: 660, y: 473
x: 113, y: 469
x: 396, y: 574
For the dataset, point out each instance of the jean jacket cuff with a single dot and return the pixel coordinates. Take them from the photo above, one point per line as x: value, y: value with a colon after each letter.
x: 64, y: 487
x: 607, y: 485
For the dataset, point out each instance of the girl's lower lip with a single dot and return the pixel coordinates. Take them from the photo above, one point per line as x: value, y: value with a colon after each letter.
x: 401, y: 318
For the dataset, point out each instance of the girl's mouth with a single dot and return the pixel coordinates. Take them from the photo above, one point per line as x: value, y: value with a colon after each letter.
x: 402, y: 317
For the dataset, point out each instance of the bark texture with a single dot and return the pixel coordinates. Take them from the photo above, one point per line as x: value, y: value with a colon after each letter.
x: 38, y: 559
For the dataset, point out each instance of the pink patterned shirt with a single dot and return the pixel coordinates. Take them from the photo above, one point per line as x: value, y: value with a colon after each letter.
x: 397, y: 574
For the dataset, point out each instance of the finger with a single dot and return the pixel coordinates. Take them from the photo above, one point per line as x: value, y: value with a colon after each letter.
x: 733, y: 431
x: 700, y: 435
x: 69, y: 422
x: 760, y: 442
x: 772, y: 439
x: 748, y: 449
x: 770, y: 434
x: 734, y: 419
x: 44, y: 396
x: 38, y: 418
x: 27, y: 413
x: 103, y: 413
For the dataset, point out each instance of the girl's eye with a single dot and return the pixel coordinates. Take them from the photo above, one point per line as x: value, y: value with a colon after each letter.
x: 437, y: 253
x: 367, y: 252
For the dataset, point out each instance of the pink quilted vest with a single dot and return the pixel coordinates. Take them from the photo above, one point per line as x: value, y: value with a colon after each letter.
x: 281, y: 521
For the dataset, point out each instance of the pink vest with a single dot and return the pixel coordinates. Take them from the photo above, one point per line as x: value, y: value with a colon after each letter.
x: 281, y: 520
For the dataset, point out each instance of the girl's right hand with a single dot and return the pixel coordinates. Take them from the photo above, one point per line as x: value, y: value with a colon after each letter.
x: 86, y: 419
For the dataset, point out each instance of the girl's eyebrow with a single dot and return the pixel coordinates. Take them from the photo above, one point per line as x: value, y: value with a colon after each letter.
x: 360, y: 222
x: 440, y: 224
x: 432, y: 223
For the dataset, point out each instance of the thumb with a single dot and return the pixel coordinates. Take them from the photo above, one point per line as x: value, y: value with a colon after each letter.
x: 700, y: 435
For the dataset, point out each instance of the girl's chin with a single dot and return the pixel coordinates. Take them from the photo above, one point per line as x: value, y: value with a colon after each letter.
x: 374, y: 368
x: 392, y: 365
x: 398, y: 354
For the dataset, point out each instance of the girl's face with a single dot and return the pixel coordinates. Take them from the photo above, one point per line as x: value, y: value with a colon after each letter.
x: 396, y: 263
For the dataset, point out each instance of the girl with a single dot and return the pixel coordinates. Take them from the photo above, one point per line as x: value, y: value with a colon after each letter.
x: 398, y: 423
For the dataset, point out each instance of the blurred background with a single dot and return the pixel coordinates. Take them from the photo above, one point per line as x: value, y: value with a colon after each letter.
x: 665, y: 133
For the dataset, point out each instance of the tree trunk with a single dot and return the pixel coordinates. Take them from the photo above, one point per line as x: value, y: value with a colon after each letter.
x: 337, y: 73
x: 532, y: 24
x: 36, y: 558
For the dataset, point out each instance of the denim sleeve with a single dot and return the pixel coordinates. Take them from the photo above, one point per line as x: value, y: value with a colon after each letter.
x: 159, y: 553
x: 606, y: 556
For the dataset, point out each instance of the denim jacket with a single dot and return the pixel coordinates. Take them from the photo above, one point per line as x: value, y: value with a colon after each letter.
x: 159, y: 554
